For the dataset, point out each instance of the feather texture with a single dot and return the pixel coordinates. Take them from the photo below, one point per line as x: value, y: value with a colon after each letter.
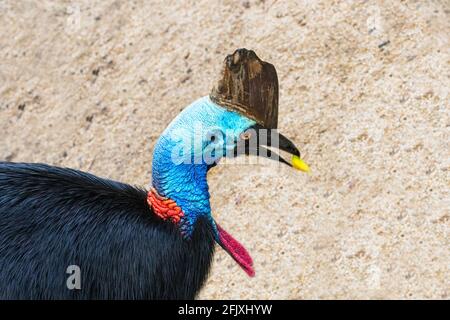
x: 53, y: 217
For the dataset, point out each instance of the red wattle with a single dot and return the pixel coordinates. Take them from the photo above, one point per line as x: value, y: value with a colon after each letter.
x: 236, y: 250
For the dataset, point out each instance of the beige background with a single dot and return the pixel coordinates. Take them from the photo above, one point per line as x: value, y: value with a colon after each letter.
x: 92, y: 84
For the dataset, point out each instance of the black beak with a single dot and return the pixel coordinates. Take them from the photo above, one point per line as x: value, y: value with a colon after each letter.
x: 255, y: 140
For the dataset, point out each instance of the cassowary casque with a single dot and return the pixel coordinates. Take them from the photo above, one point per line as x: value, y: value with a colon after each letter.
x: 127, y: 242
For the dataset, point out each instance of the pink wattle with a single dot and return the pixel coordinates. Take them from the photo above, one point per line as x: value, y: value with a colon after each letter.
x: 236, y: 250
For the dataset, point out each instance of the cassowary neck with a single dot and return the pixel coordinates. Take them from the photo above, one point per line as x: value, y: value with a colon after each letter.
x: 180, y: 166
x: 184, y: 183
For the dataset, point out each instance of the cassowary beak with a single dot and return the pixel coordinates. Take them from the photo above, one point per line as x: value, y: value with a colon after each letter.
x: 255, y: 140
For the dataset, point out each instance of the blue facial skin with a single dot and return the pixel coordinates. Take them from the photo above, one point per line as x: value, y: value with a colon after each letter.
x: 186, y: 148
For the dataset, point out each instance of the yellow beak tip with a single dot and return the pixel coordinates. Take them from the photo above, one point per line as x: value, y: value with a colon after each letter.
x: 299, y: 164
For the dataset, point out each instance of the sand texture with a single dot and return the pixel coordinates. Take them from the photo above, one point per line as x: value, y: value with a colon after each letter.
x: 364, y: 93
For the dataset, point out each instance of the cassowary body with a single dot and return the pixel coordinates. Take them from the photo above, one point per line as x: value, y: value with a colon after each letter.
x: 51, y: 218
x: 128, y: 243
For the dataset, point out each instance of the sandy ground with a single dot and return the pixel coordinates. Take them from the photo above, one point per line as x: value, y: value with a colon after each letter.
x: 364, y: 92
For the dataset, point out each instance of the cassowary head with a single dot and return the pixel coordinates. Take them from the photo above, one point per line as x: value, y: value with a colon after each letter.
x: 239, y: 117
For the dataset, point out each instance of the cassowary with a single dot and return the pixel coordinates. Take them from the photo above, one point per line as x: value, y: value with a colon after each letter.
x: 126, y: 242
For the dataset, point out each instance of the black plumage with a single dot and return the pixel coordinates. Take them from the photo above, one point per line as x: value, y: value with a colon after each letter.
x: 53, y: 217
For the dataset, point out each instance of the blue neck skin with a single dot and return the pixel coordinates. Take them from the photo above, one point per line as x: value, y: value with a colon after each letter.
x: 179, y: 169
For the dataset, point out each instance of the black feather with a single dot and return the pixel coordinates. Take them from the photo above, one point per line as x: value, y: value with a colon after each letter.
x: 53, y: 217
